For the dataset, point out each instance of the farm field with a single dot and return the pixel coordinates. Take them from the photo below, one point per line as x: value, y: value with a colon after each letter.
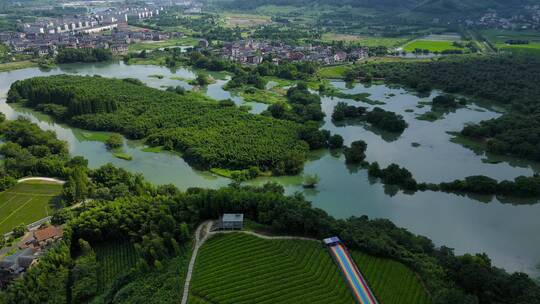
x: 431, y: 45
x: 114, y: 259
x: 26, y: 203
x: 365, y: 40
x: 499, y: 37
x: 239, y: 268
x: 245, y: 20
x: 391, y: 281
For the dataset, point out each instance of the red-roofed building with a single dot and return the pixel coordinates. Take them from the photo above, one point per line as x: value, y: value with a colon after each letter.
x: 42, y: 237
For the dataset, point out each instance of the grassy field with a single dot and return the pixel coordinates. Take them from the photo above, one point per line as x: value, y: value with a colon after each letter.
x: 334, y: 72
x: 113, y: 258
x: 152, y: 45
x: 10, y: 66
x: 431, y: 45
x: 391, y: 281
x: 239, y: 268
x: 26, y: 203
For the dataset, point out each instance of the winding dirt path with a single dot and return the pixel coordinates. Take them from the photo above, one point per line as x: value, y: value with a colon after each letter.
x: 41, y: 179
x: 201, y: 234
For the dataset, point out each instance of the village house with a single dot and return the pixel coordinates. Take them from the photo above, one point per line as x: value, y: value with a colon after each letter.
x: 43, y: 237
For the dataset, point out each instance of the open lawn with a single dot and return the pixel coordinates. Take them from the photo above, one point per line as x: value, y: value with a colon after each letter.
x: 152, y: 45
x: 239, y: 268
x: 431, y: 45
x: 26, y: 203
x: 391, y: 281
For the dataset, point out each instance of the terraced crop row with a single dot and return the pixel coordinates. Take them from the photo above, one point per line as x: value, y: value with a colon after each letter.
x: 114, y: 258
x: 239, y: 268
x: 391, y: 281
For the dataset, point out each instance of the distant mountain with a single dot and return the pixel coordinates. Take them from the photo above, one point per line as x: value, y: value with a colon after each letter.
x: 467, y: 6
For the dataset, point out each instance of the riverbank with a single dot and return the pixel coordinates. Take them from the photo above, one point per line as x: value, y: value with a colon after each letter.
x: 17, y: 65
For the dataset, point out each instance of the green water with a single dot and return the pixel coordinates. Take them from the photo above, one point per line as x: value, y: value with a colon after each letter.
x: 467, y: 223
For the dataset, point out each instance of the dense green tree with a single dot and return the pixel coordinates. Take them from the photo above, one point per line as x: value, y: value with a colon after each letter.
x: 114, y: 141
x: 356, y: 153
x: 335, y: 141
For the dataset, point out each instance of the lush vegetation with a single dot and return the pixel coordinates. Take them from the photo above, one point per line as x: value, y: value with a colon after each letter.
x: 69, y: 55
x: 239, y: 268
x: 158, y: 220
x: 516, y: 133
x: 391, y: 281
x: 380, y: 118
x: 521, y: 186
x: 29, y: 151
x: 208, y: 134
x: 499, y: 78
x: 510, y: 80
x: 26, y: 203
x: 356, y: 153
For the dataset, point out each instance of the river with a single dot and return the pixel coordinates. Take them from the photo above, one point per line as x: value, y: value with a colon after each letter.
x: 508, y: 233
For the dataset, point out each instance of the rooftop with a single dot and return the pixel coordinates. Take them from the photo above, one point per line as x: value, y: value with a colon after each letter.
x: 233, y: 217
x: 47, y: 233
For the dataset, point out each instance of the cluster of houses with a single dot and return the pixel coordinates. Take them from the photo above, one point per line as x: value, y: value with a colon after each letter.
x: 48, y: 44
x: 529, y: 18
x: 46, y: 35
x: 252, y: 52
x: 90, y: 23
x: 27, y: 252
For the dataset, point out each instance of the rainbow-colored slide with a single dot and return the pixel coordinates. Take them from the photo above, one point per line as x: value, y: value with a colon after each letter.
x: 352, y: 275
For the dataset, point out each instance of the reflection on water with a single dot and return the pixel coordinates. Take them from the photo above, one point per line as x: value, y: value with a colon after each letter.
x: 468, y: 223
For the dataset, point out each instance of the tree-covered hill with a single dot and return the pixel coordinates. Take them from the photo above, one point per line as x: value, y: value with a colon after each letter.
x: 207, y: 133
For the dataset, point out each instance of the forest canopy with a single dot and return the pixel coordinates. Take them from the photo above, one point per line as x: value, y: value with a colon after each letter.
x: 208, y: 134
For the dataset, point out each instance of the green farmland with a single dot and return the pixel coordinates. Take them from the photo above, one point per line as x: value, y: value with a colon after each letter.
x: 238, y: 268
x: 114, y: 259
x: 431, y: 45
x: 26, y: 203
x: 391, y: 281
x: 498, y: 39
x: 152, y: 45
